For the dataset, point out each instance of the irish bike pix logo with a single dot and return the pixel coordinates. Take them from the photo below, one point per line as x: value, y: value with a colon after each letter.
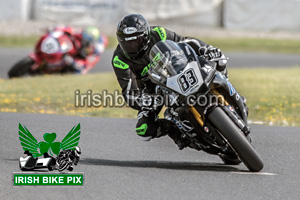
x: 48, y: 155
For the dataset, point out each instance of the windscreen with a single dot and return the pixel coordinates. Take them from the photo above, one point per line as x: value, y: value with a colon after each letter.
x: 167, y: 59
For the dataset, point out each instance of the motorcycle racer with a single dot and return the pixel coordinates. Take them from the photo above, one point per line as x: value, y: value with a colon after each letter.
x: 89, y: 43
x: 131, y: 63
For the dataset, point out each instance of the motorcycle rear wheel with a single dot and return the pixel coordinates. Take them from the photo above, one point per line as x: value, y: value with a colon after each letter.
x: 236, y: 139
x: 21, y: 68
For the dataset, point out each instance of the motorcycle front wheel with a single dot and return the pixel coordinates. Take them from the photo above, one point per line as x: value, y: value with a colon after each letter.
x: 21, y: 68
x: 236, y: 139
x: 63, y: 165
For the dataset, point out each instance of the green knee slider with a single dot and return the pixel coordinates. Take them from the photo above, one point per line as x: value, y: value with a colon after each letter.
x: 142, y: 129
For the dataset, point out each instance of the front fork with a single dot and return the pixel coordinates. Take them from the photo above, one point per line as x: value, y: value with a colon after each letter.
x: 229, y: 110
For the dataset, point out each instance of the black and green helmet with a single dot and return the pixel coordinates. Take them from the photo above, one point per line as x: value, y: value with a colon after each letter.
x: 133, y: 33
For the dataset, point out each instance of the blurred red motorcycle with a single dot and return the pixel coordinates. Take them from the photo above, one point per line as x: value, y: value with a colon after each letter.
x: 52, y: 53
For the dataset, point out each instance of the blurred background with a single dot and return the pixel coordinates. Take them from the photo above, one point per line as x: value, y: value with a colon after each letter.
x: 260, y: 37
x: 259, y: 15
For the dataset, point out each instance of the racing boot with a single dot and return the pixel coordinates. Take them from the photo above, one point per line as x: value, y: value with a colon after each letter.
x: 168, y: 128
x: 176, y: 137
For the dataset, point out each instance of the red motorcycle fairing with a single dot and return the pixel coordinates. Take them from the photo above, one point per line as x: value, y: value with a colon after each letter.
x: 51, y: 49
x: 55, y: 45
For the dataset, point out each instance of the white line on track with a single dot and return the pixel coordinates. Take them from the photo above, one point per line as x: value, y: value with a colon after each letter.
x: 257, y: 122
x: 255, y: 173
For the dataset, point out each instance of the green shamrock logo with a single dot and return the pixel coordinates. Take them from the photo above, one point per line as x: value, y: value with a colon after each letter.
x: 49, y: 145
x: 28, y: 142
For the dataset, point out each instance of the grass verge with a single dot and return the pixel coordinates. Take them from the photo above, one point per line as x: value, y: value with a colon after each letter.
x: 30, y: 41
x: 272, y: 94
x: 56, y: 95
x: 18, y: 41
x: 225, y: 44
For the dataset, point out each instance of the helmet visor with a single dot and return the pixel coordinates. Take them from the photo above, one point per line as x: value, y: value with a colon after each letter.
x: 133, y: 45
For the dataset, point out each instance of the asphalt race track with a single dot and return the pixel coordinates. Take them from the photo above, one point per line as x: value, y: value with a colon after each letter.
x: 117, y: 165
x: 9, y: 56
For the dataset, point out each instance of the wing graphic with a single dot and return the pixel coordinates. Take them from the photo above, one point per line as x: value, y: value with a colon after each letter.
x: 72, y: 138
x: 28, y: 142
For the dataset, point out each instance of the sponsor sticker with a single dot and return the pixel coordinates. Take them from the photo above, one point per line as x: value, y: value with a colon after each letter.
x: 129, y: 30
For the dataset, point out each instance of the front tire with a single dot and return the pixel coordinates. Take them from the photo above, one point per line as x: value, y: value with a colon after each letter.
x: 236, y: 139
x: 227, y: 160
x: 21, y: 68
x: 63, y: 165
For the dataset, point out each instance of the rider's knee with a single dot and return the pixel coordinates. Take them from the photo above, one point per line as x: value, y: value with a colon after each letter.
x: 145, y: 131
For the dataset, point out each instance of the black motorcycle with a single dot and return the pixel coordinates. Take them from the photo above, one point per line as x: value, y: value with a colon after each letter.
x: 203, y: 104
x: 67, y: 159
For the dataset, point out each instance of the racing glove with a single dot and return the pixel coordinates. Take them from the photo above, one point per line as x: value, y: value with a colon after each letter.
x: 214, y: 54
x: 209, y: 52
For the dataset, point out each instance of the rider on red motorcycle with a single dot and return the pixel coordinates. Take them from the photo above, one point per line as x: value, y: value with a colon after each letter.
x: 62, y: 49
x: 89, y: 45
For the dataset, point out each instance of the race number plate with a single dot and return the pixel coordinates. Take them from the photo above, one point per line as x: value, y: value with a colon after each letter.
x: 50, y: 45
x: 187, y: 80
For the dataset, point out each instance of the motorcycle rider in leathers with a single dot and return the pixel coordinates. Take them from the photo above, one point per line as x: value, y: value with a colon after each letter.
x: 89, y: 44
x: 131, y: 62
